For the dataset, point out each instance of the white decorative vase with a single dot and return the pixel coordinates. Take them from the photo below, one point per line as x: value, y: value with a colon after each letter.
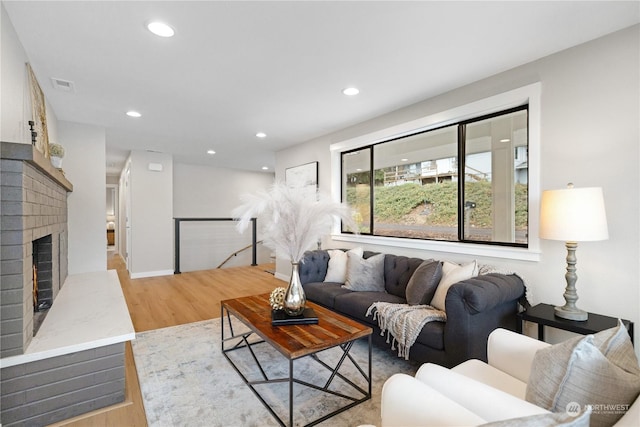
x: 294, y: 298
x: 56, y: 162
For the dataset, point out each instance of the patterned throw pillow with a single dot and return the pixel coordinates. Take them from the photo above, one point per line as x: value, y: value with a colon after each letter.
x: 424, y: 282
x: 337, y: 269
x: 600, y: 370
x: 365, y: 274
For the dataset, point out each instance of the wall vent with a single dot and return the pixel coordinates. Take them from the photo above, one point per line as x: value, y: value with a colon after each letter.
x: 63, y: 85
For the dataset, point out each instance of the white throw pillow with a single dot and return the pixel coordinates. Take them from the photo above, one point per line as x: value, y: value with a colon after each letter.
x: 451, y: 274
x: 337, y: 270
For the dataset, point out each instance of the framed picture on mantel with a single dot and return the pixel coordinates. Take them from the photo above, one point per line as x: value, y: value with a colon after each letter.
x: 305, y: 176
x: 39, y: 114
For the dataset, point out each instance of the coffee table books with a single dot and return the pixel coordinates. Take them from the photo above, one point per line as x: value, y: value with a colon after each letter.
x: 308, y: 317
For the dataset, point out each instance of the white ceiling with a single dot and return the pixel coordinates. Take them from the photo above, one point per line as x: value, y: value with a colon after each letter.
x: 236, y: 68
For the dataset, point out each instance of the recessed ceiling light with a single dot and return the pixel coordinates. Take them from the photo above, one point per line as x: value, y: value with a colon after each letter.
x: 265, y: 168
x: 261, y: 135
x: 160, y: 29
x: 350, y: 91
x: 211, y: 152
x: 133, y: 114
x: 505, y: 140
x: 404, y: 160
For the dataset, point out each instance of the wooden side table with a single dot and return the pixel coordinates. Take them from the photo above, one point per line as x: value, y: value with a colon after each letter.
x: 543, y: 315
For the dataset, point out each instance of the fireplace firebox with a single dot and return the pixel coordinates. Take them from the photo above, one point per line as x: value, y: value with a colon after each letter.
x: 42, y: 279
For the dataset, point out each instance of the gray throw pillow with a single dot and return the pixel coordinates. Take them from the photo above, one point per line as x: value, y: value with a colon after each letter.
x: 564, y: 419
x: 424, y: 282
x: 365, y: 274
x: 599, y: 370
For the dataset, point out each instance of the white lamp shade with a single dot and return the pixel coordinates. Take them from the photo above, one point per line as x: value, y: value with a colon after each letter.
x: 573, y: 215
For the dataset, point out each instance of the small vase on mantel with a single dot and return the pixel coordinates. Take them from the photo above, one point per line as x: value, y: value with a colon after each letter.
x: 56, y: 162
x: 294, y: 298
x: 56, y: 153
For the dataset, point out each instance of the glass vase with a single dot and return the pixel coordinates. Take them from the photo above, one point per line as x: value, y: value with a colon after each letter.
x: 294, y: 297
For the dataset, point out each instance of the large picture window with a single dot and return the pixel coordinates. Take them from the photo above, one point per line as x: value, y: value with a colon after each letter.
x: 464, y: 182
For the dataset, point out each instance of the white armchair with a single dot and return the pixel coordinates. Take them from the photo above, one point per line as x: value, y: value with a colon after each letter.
x: 474, y: 392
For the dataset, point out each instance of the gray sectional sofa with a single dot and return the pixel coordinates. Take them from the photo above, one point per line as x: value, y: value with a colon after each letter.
x: 474, y: 307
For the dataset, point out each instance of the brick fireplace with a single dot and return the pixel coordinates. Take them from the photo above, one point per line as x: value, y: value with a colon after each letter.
x: 33, y: 215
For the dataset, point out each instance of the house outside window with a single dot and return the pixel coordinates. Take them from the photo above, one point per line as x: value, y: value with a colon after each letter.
x: 464, y: 182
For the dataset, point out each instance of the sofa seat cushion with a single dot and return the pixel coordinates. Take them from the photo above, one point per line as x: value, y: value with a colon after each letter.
x: 324, y: 293
x: 356, y: 304
x: 432, y: 335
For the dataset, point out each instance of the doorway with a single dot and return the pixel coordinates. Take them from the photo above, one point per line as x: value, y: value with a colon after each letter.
x: 112, y: 217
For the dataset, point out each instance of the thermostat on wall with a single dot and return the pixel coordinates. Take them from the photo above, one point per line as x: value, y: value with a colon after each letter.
x: 156, y: 167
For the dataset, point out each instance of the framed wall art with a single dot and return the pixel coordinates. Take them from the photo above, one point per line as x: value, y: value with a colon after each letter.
x: 305, y: 176
x: 39, y: 114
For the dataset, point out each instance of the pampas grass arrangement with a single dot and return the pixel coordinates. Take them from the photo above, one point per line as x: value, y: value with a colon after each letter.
x: 293, y: 218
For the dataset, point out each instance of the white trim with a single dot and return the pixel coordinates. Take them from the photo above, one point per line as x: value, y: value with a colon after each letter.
x: 527, y: 94
x: 150, y: 274
x: 493, y: 251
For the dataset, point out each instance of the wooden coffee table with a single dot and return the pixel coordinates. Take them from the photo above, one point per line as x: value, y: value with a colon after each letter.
x: 295, y: 342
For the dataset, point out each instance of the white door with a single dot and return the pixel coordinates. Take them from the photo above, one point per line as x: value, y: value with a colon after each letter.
x: 127, y: 215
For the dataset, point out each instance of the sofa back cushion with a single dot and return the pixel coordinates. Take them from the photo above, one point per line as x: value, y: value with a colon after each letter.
x: 313, y: 267
x: 397, y: 272
x: 397, y: 269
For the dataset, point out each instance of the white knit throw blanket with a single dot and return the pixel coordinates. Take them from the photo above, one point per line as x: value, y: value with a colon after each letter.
x: 403, y: 322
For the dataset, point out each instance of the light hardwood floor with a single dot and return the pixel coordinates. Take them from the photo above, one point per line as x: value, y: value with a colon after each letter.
x: 160, y: 302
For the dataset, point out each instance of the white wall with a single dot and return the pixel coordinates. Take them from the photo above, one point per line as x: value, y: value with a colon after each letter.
x: 84, y: 162
x: 205, y: 192
x: 151, y: 215
x: 13, y: 88
x: 84, y: 166
x: 15, y: 98
x: 589, y: 136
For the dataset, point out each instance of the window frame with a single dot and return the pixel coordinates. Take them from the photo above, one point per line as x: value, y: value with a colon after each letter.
x: 473, y: 111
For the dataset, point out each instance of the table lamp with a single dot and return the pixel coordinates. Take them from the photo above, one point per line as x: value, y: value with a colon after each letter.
x: 573, y: 215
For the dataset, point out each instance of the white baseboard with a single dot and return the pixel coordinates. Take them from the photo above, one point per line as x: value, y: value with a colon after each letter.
x: 150, y: 274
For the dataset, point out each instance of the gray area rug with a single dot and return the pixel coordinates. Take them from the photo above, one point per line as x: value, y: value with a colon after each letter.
x: 186, y: 381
